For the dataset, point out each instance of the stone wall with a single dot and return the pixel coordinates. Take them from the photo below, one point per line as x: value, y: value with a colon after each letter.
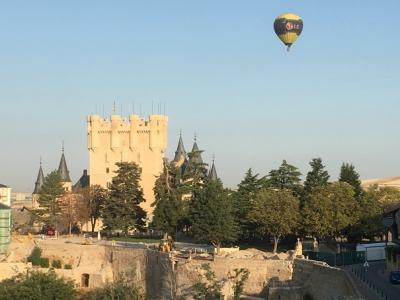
x: 262, y: 273
x: 321, y: 281
x: 8, y: 270
x: 153, y: 270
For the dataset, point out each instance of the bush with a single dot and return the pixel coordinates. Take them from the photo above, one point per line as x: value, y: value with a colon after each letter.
x: 37, y: 285
x: 67, y: 267
x: 44, y: 262
x: 35, y: 257
x: 124, y: 288
x: 56, y: 264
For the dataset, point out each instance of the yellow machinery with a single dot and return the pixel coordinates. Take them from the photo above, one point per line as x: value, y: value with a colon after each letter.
x: 166, y: 244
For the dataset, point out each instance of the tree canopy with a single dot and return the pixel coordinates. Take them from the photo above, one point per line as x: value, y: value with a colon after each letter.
x: 36, y: 285
x: 348, y: 174
x: 243, y: 201
x: 168, y: 211
x: 275, y: 213
x: 318, y: 176
x: 50, y: 194
x: 122, y: 210
x: 212, y: 215
x: 329, y: 210
x: 285, y: 177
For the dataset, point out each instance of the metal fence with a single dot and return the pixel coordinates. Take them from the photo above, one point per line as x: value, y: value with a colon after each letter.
x: 337, y: 259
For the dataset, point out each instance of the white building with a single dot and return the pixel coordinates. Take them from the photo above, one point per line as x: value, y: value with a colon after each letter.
x: 5, y: 195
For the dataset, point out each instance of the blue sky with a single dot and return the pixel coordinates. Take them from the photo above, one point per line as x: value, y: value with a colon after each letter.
x: 220, y: 70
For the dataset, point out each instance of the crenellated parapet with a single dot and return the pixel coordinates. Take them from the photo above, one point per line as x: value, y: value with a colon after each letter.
x: 122, y: 132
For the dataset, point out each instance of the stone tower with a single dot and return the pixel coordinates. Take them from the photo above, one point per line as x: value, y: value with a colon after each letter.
x: 136, y: 139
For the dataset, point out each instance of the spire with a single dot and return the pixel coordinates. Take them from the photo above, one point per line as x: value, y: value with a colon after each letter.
x: 212, y: 175
x: 180, y: 150
x: 196, y: 153
x: 63, y: 169
x: 39, y: 180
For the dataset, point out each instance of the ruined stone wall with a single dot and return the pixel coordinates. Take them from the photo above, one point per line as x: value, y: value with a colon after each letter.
x: 152, y: 269
x: 321, y: 281
x: 262, y: 273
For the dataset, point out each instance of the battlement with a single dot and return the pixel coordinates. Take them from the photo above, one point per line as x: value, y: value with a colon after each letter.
x: 118, y: 127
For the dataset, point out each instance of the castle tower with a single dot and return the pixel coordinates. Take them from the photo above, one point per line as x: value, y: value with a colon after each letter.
x: 64, y: 173
x: 212, y: 175
x: 39, y: 180
x: 196, y: 154
x: 136, y: 139
x: 180, y: 153
x: 38, y: 185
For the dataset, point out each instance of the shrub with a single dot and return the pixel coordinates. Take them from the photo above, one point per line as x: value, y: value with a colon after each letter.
x: 44, y: 262
x: 56, y: 264
x: 35, y: 257
x: 124, y: 288
x: 37, y: 285
x: 67, y: 267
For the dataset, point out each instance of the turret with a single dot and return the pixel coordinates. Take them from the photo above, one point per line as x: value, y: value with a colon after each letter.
x: 212, y: 175
x: 93, y: 132
x: 134, y: 122
x: 158, y: 131
x: 195, y: 156
x: 180, y: 153
x: 64, y: 172
x: 115, y: 125
x: 39, y: 180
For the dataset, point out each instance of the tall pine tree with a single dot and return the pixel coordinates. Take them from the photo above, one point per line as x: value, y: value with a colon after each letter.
x: 285, y: 177
x: 348, y: 174
x: 243, y: 201
x: 168, y: 211
x: 318, y: 176
x: 122, y: 210
x: 50, y: 195
x: 212, y: 215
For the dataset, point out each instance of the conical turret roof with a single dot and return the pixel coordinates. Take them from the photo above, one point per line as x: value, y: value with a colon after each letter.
x: 212, y: 175
x: 39, y: 180
x: 196, y: 154
x: 180, y: 150
x: 63, y: 169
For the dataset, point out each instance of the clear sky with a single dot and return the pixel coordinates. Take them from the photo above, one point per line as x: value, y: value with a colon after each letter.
x: 220, y: 70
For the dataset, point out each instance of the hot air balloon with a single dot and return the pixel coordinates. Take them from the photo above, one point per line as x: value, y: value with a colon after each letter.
x: 288, y: 28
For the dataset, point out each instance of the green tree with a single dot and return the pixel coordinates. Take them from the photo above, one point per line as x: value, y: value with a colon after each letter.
x: 276, y: 213
x: 195, y: 173
x: 387, y: 196
x: 285, y: 177
x: 243, y: 200
x: 329, y: 210
x: 318, y: 176
x: 50, y: 194
x: 212, y: 215
x: 168, y: 211
x: 239, y: 278
x: 94, y: 198
x: 348, y: 174
x: 123, y: 288
x: 208, y: 286
x: 36, y: 285
x: 122, y: 210
x: 369, y: 224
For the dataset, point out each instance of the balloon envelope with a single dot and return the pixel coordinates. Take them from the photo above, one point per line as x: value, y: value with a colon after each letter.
x: 288, y: 27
